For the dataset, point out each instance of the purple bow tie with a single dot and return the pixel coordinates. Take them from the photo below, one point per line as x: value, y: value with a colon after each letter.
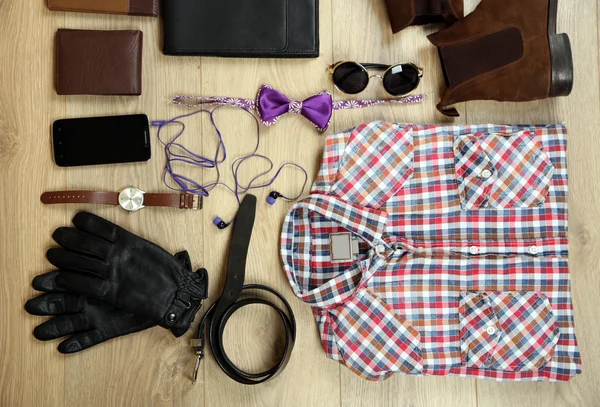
x: 272, y: 104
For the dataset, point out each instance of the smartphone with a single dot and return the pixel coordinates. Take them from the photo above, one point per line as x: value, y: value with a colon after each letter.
x: 101, y: 140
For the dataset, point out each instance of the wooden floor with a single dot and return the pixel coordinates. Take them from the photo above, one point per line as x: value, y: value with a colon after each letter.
x: 153, y: 368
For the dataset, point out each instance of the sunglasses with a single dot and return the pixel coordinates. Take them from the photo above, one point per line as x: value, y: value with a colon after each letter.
x: 398, y: 80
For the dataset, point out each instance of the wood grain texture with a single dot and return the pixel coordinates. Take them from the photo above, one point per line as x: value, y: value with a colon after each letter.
x: 152, y: 368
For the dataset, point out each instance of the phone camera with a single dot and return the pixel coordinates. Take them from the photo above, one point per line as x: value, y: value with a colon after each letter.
x: 59, y: 129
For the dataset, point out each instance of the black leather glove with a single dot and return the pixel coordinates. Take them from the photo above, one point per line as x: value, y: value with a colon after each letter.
x: 102, y: 260
x: 89, y: 321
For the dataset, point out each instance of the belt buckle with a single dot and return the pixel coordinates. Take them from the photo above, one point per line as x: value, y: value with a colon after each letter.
x: 343, y: 247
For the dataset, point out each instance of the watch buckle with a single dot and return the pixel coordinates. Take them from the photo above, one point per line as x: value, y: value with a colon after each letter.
x: 196, y: 202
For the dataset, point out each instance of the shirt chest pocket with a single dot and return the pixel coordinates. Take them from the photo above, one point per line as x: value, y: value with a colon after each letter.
x: 501, y: 170
x: 507, y: 331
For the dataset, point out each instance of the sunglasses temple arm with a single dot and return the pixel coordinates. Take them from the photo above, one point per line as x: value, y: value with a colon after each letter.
x: 370, y: 65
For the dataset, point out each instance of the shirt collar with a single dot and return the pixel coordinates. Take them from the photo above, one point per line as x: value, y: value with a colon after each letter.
x: 367, y: 223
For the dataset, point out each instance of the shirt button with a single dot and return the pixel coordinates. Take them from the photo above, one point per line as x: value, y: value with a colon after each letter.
x: 533, y: 250
x: 380, y: 249
x: 490, y: 330
x: 486, y: 174
x: 473, y: 249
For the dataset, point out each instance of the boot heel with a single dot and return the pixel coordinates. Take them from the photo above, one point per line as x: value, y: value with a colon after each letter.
x: 562, y: 65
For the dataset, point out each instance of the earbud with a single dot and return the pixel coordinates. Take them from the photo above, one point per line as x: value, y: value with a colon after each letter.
x: 220, y: 223
x: 273, y: 197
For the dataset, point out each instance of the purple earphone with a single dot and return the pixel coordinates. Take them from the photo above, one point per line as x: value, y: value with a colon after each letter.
x: 177, y: 153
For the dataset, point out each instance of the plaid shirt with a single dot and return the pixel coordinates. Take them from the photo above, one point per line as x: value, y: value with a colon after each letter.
x: 461, y: 265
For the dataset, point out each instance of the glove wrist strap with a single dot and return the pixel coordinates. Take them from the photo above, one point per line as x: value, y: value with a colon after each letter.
x: 180, y: 314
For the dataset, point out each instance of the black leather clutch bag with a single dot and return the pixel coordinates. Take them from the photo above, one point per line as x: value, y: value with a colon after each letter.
x: 241, y: 28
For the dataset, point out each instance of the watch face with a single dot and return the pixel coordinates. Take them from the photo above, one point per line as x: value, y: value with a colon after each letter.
x: 131, y: 199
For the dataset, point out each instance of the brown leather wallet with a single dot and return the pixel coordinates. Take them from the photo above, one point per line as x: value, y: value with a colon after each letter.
x: 92, y: 62
x: 130, y: 7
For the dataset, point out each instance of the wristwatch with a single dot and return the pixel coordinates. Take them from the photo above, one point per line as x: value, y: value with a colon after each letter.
x: 131, y: 199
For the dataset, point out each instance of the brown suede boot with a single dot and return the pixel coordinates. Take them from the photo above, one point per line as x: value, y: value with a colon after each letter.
x: 403, y: 13
x: 505, y: 50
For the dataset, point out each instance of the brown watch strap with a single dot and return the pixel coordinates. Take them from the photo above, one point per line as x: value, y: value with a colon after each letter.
x: 182, y: 201
x: 94, y: 197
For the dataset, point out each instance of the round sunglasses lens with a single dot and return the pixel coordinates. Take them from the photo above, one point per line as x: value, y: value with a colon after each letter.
x: 401, y: 79
x: 350, y: 78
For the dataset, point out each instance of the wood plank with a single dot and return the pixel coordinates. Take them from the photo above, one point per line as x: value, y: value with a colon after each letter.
x: 27, y: 105
x: 362, y: 33
x: 292, y: 139
x: 580, y: 112
x: 145, y: 368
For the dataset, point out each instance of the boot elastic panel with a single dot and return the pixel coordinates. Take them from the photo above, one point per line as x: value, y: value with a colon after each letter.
x: 468, y: 59
x: 465, y: 60
x: 403, y: 13
x: 437, y: 11
x: 454, y: 10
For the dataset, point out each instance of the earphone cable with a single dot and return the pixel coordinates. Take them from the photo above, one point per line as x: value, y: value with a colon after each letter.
x: 177, y: 153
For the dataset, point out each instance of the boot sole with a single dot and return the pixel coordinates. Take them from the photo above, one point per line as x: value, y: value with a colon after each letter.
x: 561, y: 57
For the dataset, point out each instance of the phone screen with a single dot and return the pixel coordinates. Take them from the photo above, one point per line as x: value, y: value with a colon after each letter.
x: 101, y: 140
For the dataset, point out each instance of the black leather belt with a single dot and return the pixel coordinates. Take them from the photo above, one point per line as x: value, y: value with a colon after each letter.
x: 219, y: 313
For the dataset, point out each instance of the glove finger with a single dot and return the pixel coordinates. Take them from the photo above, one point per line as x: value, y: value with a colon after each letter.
x: 54, y: 304
x: 47, y: 282
x: 96, y: 226
x: 81, y: 341
x: 81, y: 242
x: 81, y: 284
x: 66, y: 260
x: 184, y: 257
x: 60, y: 326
